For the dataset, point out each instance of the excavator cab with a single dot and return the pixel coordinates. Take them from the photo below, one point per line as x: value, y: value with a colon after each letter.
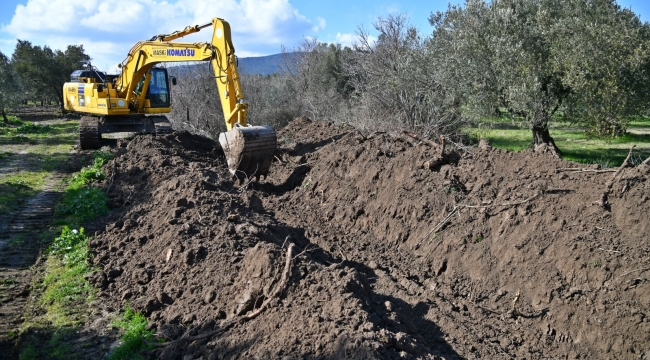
x: 158, y: 92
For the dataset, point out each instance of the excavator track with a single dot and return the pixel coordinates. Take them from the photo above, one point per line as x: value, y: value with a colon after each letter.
x: 162, y: 125
x: 89, y: 135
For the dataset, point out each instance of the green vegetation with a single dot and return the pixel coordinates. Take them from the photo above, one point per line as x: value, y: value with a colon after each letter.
x: 16, y: 188
x: 64, y: 293
x: 64, y: 283
x: 82, y: 201
x: 17, y: 126
x: 576, y: 144
x: 56, y: 347
x: 135, y: 337
x: 65, y: 297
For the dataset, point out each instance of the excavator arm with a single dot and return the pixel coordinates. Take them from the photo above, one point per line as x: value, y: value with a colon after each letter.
x: 220, y: 52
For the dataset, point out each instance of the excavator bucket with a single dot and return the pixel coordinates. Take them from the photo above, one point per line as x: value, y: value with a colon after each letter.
x: 249, y: 150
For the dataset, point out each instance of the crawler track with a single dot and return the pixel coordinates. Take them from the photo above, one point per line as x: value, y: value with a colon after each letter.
x: 89, y: 136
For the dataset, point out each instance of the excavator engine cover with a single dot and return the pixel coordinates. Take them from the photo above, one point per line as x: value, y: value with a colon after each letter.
x: 249, y: 150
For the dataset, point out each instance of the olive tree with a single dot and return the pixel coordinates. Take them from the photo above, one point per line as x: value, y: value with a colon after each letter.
x: 44, y: 71
x: 10, y: 88
x: 538, y: 58
x: 393, y: 81
x: 313, y: 71
x: 196, y: 105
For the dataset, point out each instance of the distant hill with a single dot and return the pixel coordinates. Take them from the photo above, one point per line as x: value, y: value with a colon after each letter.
x: 263, y: 65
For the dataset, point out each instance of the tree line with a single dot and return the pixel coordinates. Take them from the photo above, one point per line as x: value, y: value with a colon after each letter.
x: 35, y: 72
x: 583, y: 61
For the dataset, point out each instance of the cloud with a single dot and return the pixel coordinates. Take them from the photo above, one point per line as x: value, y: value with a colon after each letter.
x: 346, y: 39
x: 320, y: 24
x: 109, y: 28
x: 352, y: 39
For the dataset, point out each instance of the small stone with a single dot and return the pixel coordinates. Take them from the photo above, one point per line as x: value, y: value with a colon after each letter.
x: 389, y: 305
x: 209, y: 296
x: 126, y: 295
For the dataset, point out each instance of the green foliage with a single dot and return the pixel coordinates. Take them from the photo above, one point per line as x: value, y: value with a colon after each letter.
x: 43, y: 71
x: 539, y: 58
x: 64, y: 282
x: 31, y: 128
x: 596, y: 263
x: 72, y: 244
x: 135, y: 336
x: 10, y: 87
x: 48, y: 346
x: 15, y: 126
x: 84, y: 203
x: 81, y: 200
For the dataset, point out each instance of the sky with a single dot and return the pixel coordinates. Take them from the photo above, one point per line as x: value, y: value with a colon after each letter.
x: 109, y: 28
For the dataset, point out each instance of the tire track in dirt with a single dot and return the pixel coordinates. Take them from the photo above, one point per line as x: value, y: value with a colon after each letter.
x: 19, y: 249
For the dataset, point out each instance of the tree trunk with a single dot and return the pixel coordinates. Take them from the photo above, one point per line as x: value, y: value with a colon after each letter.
x: 4, y: 116
x: 61, y: 103
x: 543, y: 142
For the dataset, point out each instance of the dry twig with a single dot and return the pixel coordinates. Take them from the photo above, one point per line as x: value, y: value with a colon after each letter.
x: 632, y: 271
x: 437, y: 227
x: 504, y: 204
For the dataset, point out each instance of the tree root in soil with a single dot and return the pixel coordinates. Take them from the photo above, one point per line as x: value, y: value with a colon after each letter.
x: 457, y: 208
x: 514, y: 311
x: 172, y: 346
x: 604, y: 201
x: 440, y: 158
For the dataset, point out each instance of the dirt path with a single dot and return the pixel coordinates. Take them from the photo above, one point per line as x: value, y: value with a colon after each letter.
x: 19, y: 241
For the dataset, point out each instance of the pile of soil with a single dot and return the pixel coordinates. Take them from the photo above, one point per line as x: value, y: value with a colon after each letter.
x: 493, y: 255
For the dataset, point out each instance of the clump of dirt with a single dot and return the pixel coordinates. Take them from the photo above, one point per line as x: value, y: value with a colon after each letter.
x: 493, y: 254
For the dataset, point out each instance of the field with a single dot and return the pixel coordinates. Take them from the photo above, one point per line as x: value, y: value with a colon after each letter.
x: 512, y: 134
x: 361, y: 246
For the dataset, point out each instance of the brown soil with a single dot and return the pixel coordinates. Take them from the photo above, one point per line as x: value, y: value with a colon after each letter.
x: 394, y: 260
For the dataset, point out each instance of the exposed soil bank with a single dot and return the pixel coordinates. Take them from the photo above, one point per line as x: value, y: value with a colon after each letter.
x: 396, y: 260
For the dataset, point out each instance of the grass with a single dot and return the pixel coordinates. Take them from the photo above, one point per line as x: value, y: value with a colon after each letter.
x: 16, y: 188
x: 55, y: 347
x: 82, y: 201
x: 64, y: 285
x: 510, y: 134
x: 135, y: 338
x: 65, y: 296
x: 64, y: 300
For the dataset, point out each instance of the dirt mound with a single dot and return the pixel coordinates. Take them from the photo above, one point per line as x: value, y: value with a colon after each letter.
x: 494, y: 255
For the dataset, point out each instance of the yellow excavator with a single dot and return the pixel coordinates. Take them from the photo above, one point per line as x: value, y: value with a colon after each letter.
x: 134, y: 100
